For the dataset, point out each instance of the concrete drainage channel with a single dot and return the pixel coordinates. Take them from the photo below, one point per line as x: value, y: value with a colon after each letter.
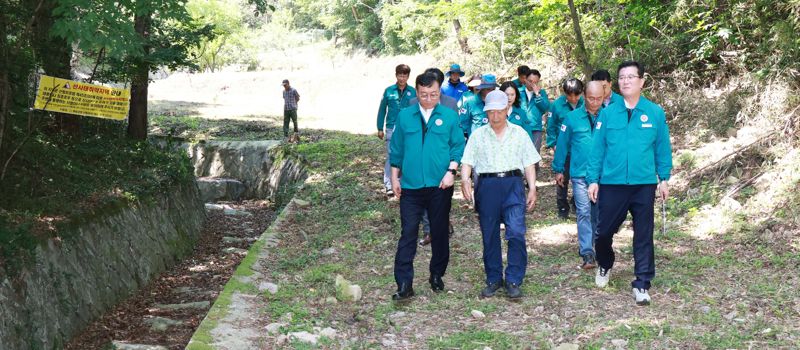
x: 238, y: 181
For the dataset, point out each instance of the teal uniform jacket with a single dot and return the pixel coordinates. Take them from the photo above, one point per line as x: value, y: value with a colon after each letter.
x: 424, y: 157
x: 472, y: 115
x: 392, y: 103
x: 535, y: 108
x: 630, y: 152
x: 615, y: 98
x: 519, y: 117
x: 558, y: 110
x: 464, y: 120
x: 518, y: 84
x: 575, y: 137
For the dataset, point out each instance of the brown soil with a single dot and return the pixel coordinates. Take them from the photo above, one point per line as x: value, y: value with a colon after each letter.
x: 198, y: 277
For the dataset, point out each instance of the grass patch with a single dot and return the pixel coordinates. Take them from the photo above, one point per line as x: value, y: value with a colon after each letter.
x: 476, y: 339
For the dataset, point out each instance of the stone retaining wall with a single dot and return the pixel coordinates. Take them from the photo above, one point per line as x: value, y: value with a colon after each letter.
x: 99, y: 264
x: 263, y: 167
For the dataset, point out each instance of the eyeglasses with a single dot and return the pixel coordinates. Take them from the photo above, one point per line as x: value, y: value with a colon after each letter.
x: 432, y: 96
x: 628, y: 77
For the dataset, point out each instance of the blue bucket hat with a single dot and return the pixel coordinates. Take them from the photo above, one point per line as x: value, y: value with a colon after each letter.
x: 455, y: 68
x: 488, y: 81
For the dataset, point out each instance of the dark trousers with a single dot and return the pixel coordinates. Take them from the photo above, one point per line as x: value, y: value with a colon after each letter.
x: 289, y: 115
x: 413, y: 203
x: 502, y: 199
x: 561, y: 192
x: 614, y: 203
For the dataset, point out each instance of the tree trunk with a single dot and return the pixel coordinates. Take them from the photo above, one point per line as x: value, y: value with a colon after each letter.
x: 56, y: 56
x: 462, y: 40
x: 583, y: 56
x: 137, y: 119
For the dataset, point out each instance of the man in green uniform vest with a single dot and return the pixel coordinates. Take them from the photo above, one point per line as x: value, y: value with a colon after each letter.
x: 427, y: 148
x: 631, y: 160
x: 395, y: 98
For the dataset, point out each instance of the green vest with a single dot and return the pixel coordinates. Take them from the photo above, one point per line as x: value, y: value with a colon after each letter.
x: 635, y: 151
x: 423, y: 151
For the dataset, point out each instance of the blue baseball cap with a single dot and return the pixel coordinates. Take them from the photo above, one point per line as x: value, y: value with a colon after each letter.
x: 488, y: 81
x: 455, y: 68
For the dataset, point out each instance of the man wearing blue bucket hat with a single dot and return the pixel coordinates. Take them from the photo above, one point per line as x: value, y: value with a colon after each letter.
x: 453, y: 87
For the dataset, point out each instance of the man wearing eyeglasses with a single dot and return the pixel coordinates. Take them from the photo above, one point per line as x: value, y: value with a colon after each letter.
x: 631, y: 160
x: 427, y: 147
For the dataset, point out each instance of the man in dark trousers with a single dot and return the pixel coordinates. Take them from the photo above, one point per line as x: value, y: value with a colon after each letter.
x: 630, y: 161
x: 502, y: 153
x: 290, y: 100
x: 427, y: 148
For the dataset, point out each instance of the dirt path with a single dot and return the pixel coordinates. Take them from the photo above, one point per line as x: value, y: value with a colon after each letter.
x: 725, y: 292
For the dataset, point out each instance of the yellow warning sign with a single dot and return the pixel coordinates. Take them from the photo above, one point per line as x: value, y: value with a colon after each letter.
x: 72, y: 97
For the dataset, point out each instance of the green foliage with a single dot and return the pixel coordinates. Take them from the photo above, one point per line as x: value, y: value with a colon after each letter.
x: 55, y: 180
x: 232, y: 39
x: 695, y: 35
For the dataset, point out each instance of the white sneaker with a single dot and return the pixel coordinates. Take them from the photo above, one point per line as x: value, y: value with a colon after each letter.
x: 641, y: 296
x: 602, y: 276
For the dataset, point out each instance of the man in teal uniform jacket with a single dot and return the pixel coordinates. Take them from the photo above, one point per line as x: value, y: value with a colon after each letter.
x: 522, y: 74
x: 536, y: 104
x: 631, y: 160
x: 426, y: 149
x: 609, y: 97
x: 571, y: 100
x: 575, y: 138
x: 394, y: 99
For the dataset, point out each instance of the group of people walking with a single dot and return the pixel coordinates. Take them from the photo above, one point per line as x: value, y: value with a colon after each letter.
x: 614, y: 149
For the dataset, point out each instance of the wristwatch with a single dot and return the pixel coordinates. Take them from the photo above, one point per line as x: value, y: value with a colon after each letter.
x: 452, y: 171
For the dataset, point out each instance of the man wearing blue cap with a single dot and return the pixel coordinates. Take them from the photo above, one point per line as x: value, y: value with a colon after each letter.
x: 631, y: 153
x: 501, y: 153
x: 394, y: 99
x: 453, y: 87
x: 472, y: 113
x: 427, y: 148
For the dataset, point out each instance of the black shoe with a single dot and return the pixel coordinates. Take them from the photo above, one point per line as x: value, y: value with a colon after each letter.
x: 491, y: 289
x: 563, y: 214
x: 451, y: 230
x: 588, y: 262
x: 513, y: 291
x: 404, y: 291
x: 437, y: 285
